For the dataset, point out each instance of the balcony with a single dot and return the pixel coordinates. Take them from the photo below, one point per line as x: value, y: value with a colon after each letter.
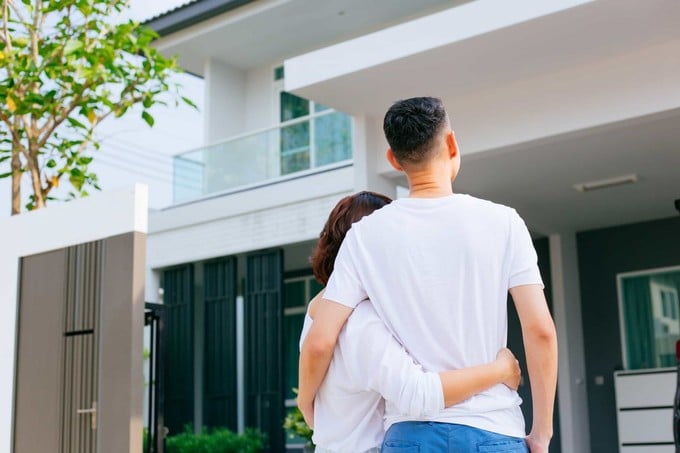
x: 291, y: 149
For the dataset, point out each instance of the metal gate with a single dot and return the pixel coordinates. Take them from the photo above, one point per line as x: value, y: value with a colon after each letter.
x: 154, y: 319
x: 264, y: 345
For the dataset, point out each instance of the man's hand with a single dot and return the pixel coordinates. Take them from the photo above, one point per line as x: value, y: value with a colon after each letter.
x: 307, y: 409
x: 537, y: 445
x: 512, y: 374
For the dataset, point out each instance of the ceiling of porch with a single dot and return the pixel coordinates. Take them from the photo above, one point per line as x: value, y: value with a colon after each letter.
x: 538, y: 178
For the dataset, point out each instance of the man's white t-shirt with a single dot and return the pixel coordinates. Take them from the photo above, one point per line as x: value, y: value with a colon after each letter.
x: 437, y: 271
x: 368, y: 363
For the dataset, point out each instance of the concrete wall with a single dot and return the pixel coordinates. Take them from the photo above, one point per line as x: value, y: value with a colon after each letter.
x: 602, y: 254
x: 275, y: 215
x: 89, y: 219
x: 238, y: 101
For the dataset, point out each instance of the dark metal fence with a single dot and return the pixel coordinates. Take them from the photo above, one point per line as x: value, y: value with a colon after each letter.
x: 154, y: 318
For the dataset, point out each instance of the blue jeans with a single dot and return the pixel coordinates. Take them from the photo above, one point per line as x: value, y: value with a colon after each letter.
x: 433, y: 437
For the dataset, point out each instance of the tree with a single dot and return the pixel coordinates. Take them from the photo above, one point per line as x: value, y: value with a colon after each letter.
x: 65, y: 66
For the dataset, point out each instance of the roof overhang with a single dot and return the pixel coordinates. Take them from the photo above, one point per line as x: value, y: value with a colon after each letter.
x: 252, y: 34
x: 190, y: 14
x: 476, y: 47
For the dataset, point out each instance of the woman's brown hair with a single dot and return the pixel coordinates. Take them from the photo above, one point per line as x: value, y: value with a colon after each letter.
x: 348, y: 210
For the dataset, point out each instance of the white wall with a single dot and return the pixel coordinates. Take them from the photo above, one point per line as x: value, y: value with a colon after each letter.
x: 283, y: 213
x: 260, y: 95
x: 238, y: 101
x: 225, y: 101
x: 369, y: 147
x: 89, y: 219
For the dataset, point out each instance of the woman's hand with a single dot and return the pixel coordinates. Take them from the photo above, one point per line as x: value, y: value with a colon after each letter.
x: 509, y: 365
x: 307, y: 409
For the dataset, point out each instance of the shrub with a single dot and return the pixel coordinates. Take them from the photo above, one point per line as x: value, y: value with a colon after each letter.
x: 295, y: 425
x: 218, y: 440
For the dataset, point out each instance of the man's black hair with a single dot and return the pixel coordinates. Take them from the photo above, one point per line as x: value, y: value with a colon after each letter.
x: 412, y: 126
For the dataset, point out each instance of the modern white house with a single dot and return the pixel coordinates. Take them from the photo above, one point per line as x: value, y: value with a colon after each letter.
x: 567, y: 110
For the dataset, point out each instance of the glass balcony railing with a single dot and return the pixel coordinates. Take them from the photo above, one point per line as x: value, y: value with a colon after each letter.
x: 296, y: 146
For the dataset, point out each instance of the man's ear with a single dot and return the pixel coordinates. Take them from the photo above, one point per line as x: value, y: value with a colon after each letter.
x: 391, y: 158
x: 452, y: 144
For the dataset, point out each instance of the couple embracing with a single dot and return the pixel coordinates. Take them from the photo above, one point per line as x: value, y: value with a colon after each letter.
x: 407, y: 341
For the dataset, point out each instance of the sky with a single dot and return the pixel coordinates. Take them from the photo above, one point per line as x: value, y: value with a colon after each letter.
x: 131, y: 151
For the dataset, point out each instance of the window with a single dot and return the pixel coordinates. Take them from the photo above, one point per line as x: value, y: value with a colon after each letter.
x: 297, y: 292
x: 312, y: 134
x: 649, y: 317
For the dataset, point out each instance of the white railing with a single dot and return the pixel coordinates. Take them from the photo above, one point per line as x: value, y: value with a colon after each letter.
x: 264, y: 156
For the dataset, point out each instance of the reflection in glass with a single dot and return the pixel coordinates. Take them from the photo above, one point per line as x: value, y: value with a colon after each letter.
x: 292, y: 327
x: 650, y: 305
x: 332, y: 138
x: 188, y: 171
x: 293, y: 106
x: 295, y: 148
x: 320, y: 107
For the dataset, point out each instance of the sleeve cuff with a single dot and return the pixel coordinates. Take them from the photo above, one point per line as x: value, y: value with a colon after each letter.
x: 339, y: 298
x: 528, y: 277
x: 434, y: 395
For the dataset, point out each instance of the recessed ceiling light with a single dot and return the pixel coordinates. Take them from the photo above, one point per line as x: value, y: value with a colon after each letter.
x: 606, y: 183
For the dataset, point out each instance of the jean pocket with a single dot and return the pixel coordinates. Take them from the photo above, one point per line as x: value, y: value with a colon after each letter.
x: 508, y: 446
x: 400, y: 446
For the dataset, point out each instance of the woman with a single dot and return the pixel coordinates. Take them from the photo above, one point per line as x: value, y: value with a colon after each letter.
x: 370, y: 368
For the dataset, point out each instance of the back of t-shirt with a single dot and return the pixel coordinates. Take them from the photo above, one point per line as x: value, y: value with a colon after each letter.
x: 437, y: 271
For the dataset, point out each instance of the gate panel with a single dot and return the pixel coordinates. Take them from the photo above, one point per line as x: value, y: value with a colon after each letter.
x: 79, y: 348
x: 37, y: 400
x: 219, y: 390
x: 178, y: 287
x: 263, y: 314
x: 83, y: 296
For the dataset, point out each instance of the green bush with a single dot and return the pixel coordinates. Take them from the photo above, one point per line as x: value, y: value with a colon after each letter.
x: 295, y: 426
x: 218, y: 440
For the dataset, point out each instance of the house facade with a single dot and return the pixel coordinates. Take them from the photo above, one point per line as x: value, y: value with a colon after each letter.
x: 566, y: 110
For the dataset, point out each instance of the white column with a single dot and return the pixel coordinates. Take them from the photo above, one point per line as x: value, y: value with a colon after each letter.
x: 571, y: 389
x: 368, y: 148
x: 225, y: 101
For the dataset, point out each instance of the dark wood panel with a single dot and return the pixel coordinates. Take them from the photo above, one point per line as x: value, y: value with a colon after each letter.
x: 39, y: 352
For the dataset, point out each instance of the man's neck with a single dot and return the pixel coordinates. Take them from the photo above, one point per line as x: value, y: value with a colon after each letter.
x: 429, y: 185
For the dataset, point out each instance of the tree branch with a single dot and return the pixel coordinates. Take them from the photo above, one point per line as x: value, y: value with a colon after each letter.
x: 75, y: 102
x: 17, y: 11
x: 5, y: 27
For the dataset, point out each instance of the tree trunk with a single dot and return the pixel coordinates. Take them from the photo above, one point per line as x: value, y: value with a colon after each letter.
x: 16, y: 182
x: 34, y: 168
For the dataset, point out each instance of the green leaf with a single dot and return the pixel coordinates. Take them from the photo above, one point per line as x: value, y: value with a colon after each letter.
x: 75, y: 123
x: 189, y: 102
x: 148, y: 118
x: 51, y: 163
x: 72, y: 46
x: 77, y: 181
x: 5, y: 175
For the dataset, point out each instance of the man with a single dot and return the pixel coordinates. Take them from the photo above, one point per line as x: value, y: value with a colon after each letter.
x: 437, y: 267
